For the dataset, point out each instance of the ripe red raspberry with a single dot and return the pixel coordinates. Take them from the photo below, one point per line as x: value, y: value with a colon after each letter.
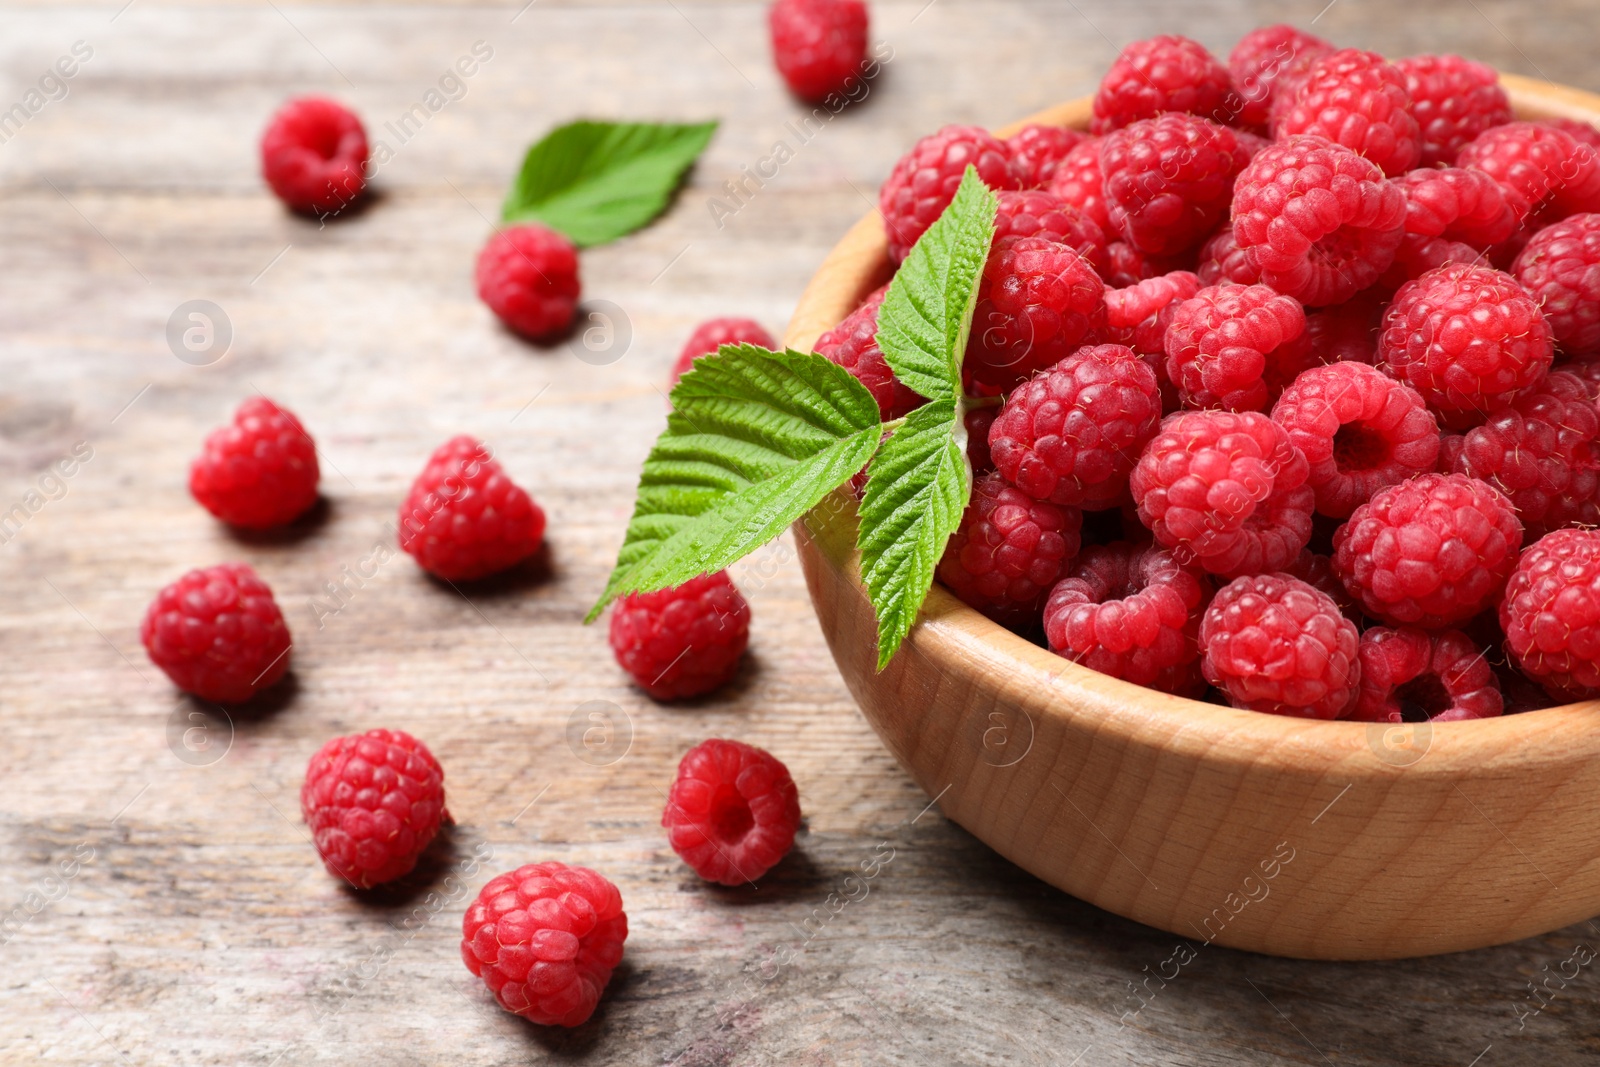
x: 977, y: 422
x: 1542, y: 453
x: 1418, y: 255
x: 217, y: 633
x: 1169, y: 180
x: 1357, y: 99
x: 1036, y: 151
x: 373, y: 801
x: 1273, y: 643
x: 1008, y: 551
x: 1317, y: 220
x: 1077, y: 181
x: 1555, y: 173
x: 1453, y: 100
x: 1133, y: 612
x: 1560, y: 269
x: 1038, y: 302
x: 925, y: 180
x: 712, y: 334
x: 464, y: 518
x: 1411, y: 675
x: 684, y: 641
x: 528, y: 275
x: 545, y: 938
x: 1166, y: 73
x: 1139, y: 314
x: 1469, y: 339
x: 1316, y: 570
x: 1223, y: 339
x: 1347, y: 331
x: 1226, y: 490
x: 1551, y: 613
x: 258, y: 471
x: 1580, y: 131
x: 1360, y: 431
x: 314, y: 155
x: 1072, y: 433
x: 1261, y: 61
x: 732, y: 812
x: 1036, y: 213
x: 1223, y: 261
x: 819, y: 45
x: 1431, y: 552
x: 1126, y: 265
x: 1587, y: 372
x: 1459, y: 204
x: 853, y: 344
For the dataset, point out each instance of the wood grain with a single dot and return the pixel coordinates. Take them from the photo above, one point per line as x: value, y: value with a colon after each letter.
x: 202, y: 930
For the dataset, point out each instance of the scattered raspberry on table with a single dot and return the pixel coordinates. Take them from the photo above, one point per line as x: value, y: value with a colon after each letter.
x: 732, y: 811
x: 528, y: 276
x: 820, y: 46
x: 314, y: 155
x: 464, y: 518
x: 712, y: 334
x: 1551, y: 613
x: 217, y: 633
x: 258, y: 471
x: 684, y: 641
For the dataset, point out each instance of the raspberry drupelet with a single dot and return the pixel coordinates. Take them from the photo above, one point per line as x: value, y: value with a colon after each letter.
x: 464, y: 518
x: 1360, y: 431
x: 1036, y: 152
x: 1225, y: 490
x: 1560, y: 269
x: 1166, y: 73
x: 528, y: 276
x: 217, y: 633
x: 1411, y: 675
x: 819, y: 45
x: 1227, y: 343
x: 1430, y: 552
x: 1072, y: 433
x: 1077, y: 181
x: 685, y: 641
x: 853, y: 345
x: 1468, y: 338
x: 1453, y: 100
x: 1551, y: 613
x: 545, y: 938
x: 373, y: 802
x: 314, y: 155
x: 732, y: 812
x: 1008, y: 551
x: 1133, y: 612
x: 925, y: 180
x: 1261, y: 61
x: 1275, y: 644
x: 712, y: 334
x: 1038, y: 301
x: 259, y: 471
x: 1168, y: 180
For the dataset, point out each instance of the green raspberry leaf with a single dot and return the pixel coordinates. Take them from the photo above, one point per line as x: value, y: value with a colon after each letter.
x: 927, y: 313
x: 754, y: 441
x: 917, y: 488
x: 597, y: 181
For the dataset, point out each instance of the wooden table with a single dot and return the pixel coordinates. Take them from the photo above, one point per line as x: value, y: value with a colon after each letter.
x: 193, y: 923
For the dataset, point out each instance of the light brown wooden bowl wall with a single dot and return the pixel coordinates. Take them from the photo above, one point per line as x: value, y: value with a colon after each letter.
x: 1323, y: 840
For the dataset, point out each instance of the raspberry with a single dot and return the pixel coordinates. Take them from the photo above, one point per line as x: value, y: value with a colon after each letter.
x: 1469, y: 339
x: 1166, y: 73
x: 217, y: 633
x: 1226, y: 490
x: 1077, y: 181
x: 1273, y: 643
x: 373, y: 801
x: 732, y: 811
x: 1317, y: 220
x: 1223, y: 261
x: 1036, y: 151
x: 1138, y: 315
x: 1008, y: 551
x: 977, y: 422
x: 1036, y: 213
x: 925, y: 180
x: 314, y: 155
x: 1223, y: 339
x: 1411, y: 675
x: 1169, y: 180
x: 1357, y: 99
x: 1582, y: 132
x: 464, y: 518
x: 1038, y: 301
x: 1263, y: 58
x: 1072, y: 433
x: 684, y: 641
x: 258, y: 471
x: 712, y: 334
x: 1457, y: 203
x: 545, y: 938
x: 1560, y: 269
x: 853, y: 344
x: 1347, y: 331
x: 1551, y: 613
x: 1542, y: 453
x: 1431, y: 552
x: 1360, y: 431
x: 1453, y: 100
x: 1126, y: 265
x: 1316, y: 570
x: 818, y: 45
x: 1130, y: 611
x: 1555, y: 173
x: 1418, y: 255
x: 528, y: 275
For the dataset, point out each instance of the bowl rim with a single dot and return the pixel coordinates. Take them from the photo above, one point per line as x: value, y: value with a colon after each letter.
x: 947, y: 630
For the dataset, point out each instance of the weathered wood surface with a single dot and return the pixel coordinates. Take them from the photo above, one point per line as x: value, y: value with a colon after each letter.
x: 194, y: 925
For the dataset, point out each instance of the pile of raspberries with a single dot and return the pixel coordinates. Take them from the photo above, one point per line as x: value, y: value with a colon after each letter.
x: 1282, y: 382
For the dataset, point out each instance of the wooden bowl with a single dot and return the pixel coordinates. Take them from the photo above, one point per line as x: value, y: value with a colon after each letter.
x: 1321, y: 840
